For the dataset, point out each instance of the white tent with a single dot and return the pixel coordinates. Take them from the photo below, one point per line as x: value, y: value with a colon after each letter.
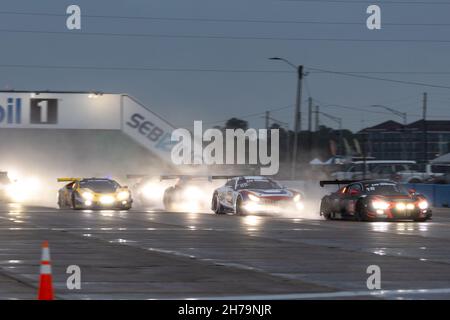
x: 316, y: 162
x: 442, y: 159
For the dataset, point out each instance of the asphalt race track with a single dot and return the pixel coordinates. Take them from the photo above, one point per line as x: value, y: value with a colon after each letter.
x: 157, y: 255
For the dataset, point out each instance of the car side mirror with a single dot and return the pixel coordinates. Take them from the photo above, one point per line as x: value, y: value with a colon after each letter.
x: 354, y: 192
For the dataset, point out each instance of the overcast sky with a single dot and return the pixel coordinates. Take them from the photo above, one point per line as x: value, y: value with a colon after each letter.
x: 184, y: 96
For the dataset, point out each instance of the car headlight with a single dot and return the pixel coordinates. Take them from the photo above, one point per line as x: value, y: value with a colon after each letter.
x: 123, y: 195
x: 87, y: 195
x: 297, y: 198
x: 400, y: 206
x: 106, y: 200
x: 253, y: 198
x: 380, y: 204
x: 423, y: 205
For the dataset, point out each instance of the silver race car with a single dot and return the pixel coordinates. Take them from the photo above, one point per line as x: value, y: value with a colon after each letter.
x: 255, y: 194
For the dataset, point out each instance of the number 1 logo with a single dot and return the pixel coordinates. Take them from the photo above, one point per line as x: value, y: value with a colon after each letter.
x: 43, y: 111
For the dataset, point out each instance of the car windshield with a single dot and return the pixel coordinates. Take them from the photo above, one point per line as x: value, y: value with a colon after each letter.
x: 440, y: 169
x: 100, y: 185
x: 385, y: 189
x: 259, y: 184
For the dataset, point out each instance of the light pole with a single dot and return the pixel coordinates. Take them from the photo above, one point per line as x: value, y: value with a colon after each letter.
x: 404, y: 116
x: 297, y: 113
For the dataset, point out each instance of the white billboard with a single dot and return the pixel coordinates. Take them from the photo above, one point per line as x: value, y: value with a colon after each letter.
x: 55, y: 110
x: 60, y: 111
x: 147, y: 128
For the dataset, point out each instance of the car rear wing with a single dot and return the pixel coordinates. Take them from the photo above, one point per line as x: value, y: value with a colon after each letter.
x: 67, y: 179
x: 184, y: 176
x: 336, y: 182
x: 224, y: 177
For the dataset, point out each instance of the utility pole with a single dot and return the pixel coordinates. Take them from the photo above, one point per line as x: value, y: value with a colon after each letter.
x: 267, y: 119
x: 310, y: 106
x: 317, y: 118
x: 425, y: 129
x: 297, y: 121
x: 297, y: 114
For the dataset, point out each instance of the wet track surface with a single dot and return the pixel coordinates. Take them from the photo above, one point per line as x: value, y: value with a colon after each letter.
x: 157, y: 255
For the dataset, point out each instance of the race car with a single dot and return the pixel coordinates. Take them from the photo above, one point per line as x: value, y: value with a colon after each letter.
x: 255, y: 194
x: 18, y: 189
x: 189, y: 194
x: 93, y: 193
x: 372, y: 200
x: 149, y: 189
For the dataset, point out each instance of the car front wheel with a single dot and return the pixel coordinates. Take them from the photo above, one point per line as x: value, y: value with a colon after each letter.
x: 240, y: 211
x: 216, y: 206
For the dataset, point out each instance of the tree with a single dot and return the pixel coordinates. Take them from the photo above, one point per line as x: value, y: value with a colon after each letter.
x: 235, y: 123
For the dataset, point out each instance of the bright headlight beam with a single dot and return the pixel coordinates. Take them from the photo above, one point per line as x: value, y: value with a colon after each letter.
x: 400, y: 206
x: 423, y: 205
x: 106, y: 199
x: 380, y: 204
x: 123, y: 195
x: 87, y: 195
x: 253, y: 198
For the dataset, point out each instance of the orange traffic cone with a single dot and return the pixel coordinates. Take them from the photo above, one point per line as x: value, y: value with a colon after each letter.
x: 45, y: 282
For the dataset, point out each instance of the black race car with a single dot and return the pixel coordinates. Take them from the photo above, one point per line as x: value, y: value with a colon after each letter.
x: 373, y: 200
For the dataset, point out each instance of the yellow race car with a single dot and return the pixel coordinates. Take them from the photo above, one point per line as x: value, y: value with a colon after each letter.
x: 93, y: 193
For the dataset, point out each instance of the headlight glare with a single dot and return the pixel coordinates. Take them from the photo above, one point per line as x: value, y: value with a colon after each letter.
x: 253, y: 198
x: 380, y: 204
x: 423, y: 205
x: 123, y: 195
x: 87, y: 195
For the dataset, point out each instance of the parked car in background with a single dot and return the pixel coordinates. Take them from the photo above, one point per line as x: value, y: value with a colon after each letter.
x: 355, y: 170
x: 399, y: 172
x: 438, y: 173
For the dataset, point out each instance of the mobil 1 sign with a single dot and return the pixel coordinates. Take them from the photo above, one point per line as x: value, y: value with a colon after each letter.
x: 22, y: 111
x: 43, y: 111
x: 60, y: 110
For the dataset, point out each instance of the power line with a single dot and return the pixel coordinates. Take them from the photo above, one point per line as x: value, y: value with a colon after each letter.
x: 364, y: 2
x: 381, y: 79
x: 325, y: 105
x: 222, y: 37
x: 159, y: 69
x: 393, y: 72
x: 138, y: 68
x: 252, y: 114
x: 219, y: 70
x: 221, y: 20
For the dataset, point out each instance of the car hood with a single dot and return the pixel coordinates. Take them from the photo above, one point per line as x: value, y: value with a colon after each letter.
x: 271, y: 192
x: 398, y: 198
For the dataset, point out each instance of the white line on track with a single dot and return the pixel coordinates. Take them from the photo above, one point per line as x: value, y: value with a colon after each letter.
x: 328, y: 295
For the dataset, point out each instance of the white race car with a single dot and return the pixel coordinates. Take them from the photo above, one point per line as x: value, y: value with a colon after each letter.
x: 255, y: 194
